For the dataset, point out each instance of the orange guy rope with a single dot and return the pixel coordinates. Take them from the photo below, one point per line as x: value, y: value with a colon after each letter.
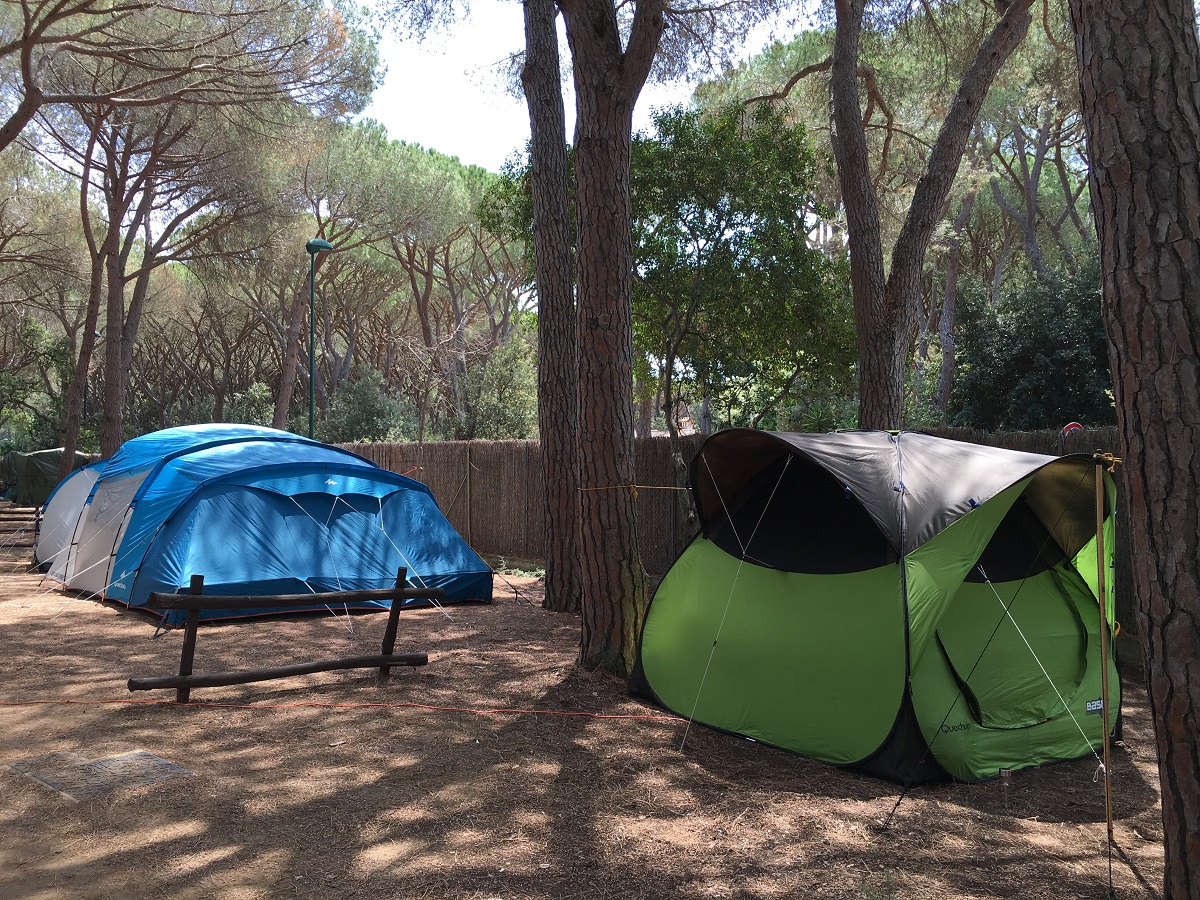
x: 307, y: 704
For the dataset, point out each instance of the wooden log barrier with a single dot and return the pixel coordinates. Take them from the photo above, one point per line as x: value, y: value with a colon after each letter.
x: 194, y: 601
x: 186, y: 682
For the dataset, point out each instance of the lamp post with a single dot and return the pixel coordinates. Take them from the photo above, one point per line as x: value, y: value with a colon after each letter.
x: 312, y: 248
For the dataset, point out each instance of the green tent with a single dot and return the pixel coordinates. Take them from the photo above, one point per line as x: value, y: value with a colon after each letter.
x: 915, y: 607
x: 33, y: 476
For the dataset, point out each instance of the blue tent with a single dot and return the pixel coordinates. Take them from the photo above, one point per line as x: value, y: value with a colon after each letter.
x: 253, y: 510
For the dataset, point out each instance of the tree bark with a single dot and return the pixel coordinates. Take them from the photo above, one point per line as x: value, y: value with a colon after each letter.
x: 76, y: 393
x: 941, y: 398
x: 112, y: 420
x: 558, y: 346
x: 1139, y: 66
x: 885, y: 311
x: 879, y: 389
x: 608, y: 79
x: 295, y: 337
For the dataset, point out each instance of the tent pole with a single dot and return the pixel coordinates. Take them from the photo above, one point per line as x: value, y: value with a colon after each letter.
x: 1101, y: 460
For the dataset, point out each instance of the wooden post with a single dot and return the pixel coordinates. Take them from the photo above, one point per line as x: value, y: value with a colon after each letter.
x: 193, y: 602
x: 221, y: 679
x: 393, y: 622
x: 191, y: 624
x: 1101, y: 566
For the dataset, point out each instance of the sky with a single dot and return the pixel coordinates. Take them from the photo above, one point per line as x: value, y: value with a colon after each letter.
x: 449, y: 92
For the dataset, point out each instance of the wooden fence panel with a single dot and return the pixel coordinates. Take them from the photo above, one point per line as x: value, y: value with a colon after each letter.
x: 499, y: 495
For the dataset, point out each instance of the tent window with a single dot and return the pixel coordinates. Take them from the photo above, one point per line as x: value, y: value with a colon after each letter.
x: 1021, y: 548
x: 806, y: 522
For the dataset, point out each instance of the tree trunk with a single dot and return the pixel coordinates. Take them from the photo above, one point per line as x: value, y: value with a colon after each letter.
x: 76, y: 393
x: 112, y: 420
x: 643, y: 427
x: 941, y: 399
x: 1139, y: 64
x: 607, y: 82
x: 558, y: 346
x: 885, y: 312
x: 879, y: 390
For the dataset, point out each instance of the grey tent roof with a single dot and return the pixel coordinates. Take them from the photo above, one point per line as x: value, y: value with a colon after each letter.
x: 912, y: 485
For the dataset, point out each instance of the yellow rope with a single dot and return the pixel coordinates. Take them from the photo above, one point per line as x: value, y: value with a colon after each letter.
x: 635, y: 488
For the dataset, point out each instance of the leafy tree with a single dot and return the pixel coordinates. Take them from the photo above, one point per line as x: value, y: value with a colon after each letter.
x: 499, y: 392
x: 1036, y: 360
x: 1023, y: 170
x: 1138, y: 67
x: 198, y: 350
x: 728, y: 290
x: 202, y: 53
x: 159, y: 181
x: 28, y: 353
x: 356, y: 189
x: 253, y: 406
x: 886, y: 301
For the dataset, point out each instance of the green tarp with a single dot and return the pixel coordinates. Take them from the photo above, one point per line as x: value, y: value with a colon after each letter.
x: 29, y: 478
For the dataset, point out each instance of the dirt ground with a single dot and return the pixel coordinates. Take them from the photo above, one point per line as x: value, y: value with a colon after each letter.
x: 500, y: 770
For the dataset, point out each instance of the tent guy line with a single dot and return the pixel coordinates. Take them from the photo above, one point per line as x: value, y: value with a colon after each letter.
x: 729, y: 600
x: 733, y: 528
x: 1007, y: 612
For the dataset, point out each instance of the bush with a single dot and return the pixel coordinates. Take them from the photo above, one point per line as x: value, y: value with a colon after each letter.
x: 1037, y: 359
x: 363, y: 411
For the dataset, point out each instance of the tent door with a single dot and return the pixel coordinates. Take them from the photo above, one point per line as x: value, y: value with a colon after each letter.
x: 1017, y: 668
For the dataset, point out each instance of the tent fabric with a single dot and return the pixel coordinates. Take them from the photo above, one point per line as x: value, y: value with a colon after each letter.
x: 253, y: 510
x: 32, y: 477
x: 917, y: 607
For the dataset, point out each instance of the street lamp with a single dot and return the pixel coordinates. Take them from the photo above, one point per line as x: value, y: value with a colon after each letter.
x: 312, y: 248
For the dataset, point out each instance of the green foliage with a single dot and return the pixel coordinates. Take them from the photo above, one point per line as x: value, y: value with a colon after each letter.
x: 880, y: 889
x: 28, y: 415
x: 731, y: 302
x: 821, y: 408
x: 1037, y: 359
x: 506, y: 206
x: 518, y: 568
x: 363, y: 411
x: 28, y: 430
x: 499, y: 395
x: 254, y: 406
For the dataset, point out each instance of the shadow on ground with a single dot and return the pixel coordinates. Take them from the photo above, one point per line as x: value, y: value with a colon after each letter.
x: 330, y: 786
